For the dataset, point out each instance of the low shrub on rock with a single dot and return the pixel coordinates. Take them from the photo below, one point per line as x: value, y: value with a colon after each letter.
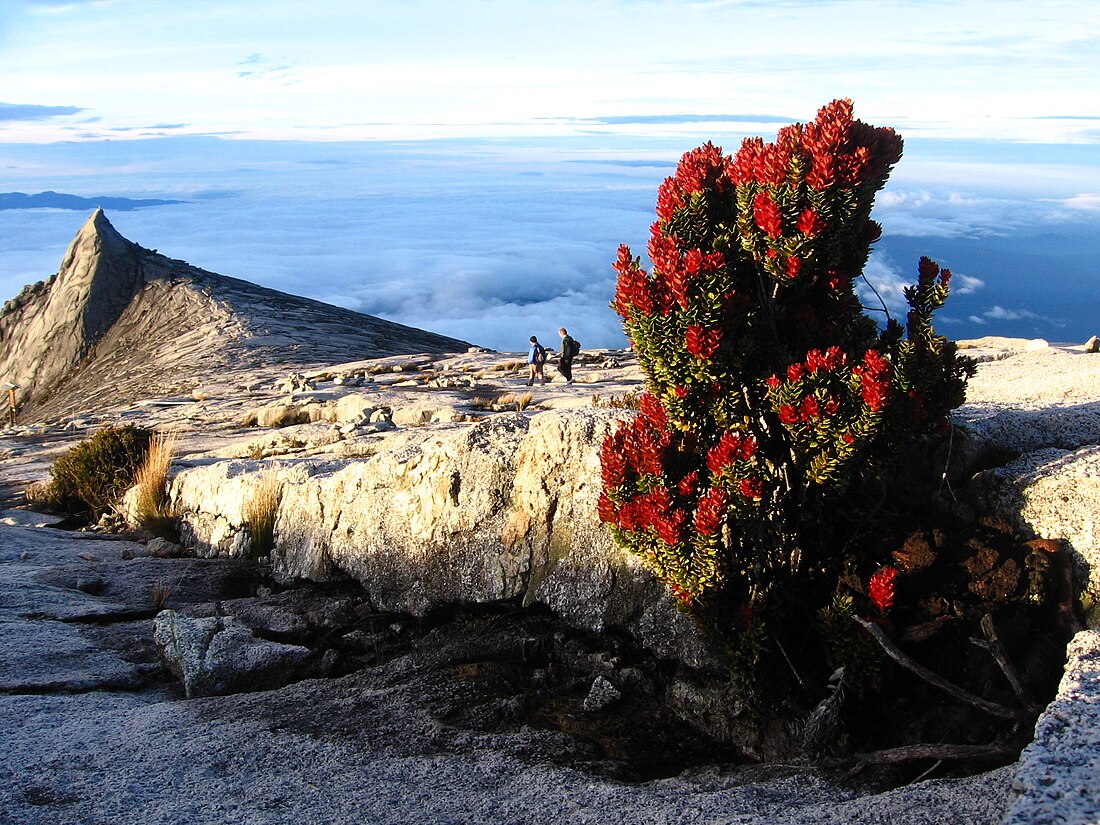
x: 92, y: 476
x: 784, y: 433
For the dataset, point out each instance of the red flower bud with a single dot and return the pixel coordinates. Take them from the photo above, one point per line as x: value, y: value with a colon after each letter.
x: 767, y: 214
x: 882, y: 588
x: 752, y: 488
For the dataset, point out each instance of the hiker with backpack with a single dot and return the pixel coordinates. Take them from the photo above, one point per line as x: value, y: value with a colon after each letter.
x: 536, y: 357
x: 570, y: 349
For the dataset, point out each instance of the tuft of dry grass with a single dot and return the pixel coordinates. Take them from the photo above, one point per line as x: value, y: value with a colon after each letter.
x: 626, y: 401
x: 39, y: 493
x: 160, y: 594
x: 505, y: 401
x: 260, y: 511
x: 151, y: 506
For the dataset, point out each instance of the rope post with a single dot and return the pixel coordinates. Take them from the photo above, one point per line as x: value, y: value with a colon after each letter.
x: 11, y: 388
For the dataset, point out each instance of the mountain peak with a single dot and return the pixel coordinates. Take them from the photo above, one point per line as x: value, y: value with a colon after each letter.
x: 97, y: 236
x: 119, y: 322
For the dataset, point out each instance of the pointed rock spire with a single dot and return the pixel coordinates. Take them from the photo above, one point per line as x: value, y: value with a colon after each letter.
x: 54, y: 326
x: 100, y: 274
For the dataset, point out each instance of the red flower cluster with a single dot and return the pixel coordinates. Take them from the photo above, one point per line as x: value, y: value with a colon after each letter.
x: 612, y: 463
x: 703, y: 343
x: 831, y: 359
x: 710, y: 512
x: 751, y: 488
x: 675, y: 270
x: 816, y: 361
x: 809, y: 410
x: 654, y: 411
x: 875, y: 376
x: 644, y: 448
x: 653, y: 511
x: 927, y: 270
x: 637, y: 447
x: 734, y: 445
x: 632, y: 289
x: 810, y: 222
x: 882, y: 588
x: 767, y: 214
x: 688, y: 484
x: 769, y: 164
x: 838, y: 148
x: 844, y: 150
x: 704, y: 167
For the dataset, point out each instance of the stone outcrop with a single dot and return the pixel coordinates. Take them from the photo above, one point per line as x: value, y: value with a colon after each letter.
x: 505, y: 508
x: 217, y: 655
x: 1052, y: 494
x: 1057, y: 775
x: 119, y: 322
x: 1033, y: 411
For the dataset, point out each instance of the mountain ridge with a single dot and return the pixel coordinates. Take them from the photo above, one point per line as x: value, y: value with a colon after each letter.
x: 62, y: 200
x: 119, y: 322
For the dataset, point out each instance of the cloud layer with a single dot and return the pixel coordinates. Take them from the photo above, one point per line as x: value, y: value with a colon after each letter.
x: 493, y: 241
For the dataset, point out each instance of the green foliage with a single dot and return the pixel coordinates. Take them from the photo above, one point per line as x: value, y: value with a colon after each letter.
x: 846, y: 644
x: 92, y: 476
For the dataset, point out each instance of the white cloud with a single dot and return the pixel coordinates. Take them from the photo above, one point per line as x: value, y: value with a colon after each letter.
x: 999, y: 313
x: 1085, y: 202
x: 882, y: 284
x: 965, y: 284
x: 926, y: 213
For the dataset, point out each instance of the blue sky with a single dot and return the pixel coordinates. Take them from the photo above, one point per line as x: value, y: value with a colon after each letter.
x: 471, y: 167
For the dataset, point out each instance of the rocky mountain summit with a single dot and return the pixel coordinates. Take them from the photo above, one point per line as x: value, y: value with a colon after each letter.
x: 442, y: 630
x: 118, y: 322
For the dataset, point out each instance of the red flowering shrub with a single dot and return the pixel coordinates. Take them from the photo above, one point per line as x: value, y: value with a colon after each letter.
x: 771, y: 394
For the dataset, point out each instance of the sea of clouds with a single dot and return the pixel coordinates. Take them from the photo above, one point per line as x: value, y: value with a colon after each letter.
x: 492, y: 241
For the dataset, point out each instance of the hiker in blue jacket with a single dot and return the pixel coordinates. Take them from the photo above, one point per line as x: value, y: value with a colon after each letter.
x: 536, y: 357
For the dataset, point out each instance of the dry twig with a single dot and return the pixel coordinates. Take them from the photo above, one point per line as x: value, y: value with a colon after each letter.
x: 950, y: 688
x: 993, y: 644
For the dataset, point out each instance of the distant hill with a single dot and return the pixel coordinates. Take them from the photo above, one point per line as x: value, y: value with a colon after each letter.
x: 119, y: 323
x: 59, y: 200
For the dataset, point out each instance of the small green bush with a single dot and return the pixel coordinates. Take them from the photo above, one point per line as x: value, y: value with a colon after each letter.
x: 92, y: 476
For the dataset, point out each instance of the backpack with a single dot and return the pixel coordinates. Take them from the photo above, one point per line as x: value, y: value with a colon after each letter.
x: 574, y: 348
x: 540, y: 354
